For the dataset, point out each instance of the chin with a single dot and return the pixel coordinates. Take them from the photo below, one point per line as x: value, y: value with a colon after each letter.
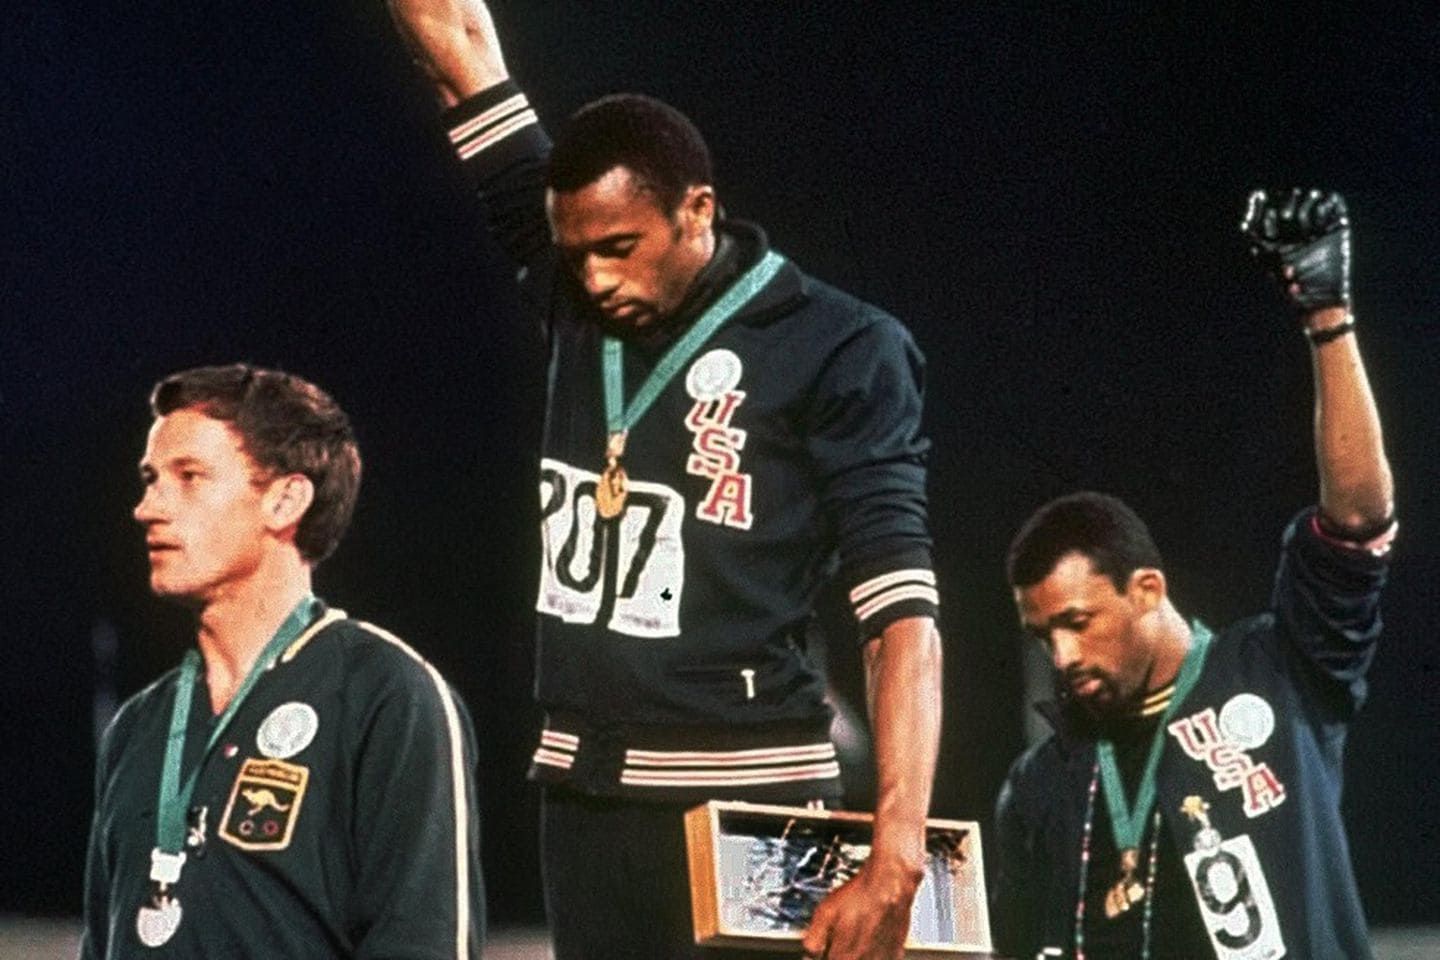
x: 171, y: 590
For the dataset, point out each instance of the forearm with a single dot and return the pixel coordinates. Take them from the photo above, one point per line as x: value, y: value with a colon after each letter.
x: 1356, y: 489
x: 903, y: 685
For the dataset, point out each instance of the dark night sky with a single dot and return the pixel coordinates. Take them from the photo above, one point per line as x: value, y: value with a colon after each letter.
x: 1048, y: 198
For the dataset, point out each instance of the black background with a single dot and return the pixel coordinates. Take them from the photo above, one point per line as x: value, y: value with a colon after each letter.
x: 1049, y: 198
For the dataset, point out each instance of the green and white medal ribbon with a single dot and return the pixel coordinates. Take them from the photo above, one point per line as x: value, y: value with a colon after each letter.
x: 157, y: 922
x: 1128, y: 822
x: 620, y: 417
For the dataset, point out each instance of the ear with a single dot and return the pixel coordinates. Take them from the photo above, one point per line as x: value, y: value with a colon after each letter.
x: 697, y: 209
x: 285, y: 501
x: 1146, y: 588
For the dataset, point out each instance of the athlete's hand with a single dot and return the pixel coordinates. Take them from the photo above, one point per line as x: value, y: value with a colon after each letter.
x: 869, y: 917
x: 454, y: 42
x: 1302, y: 237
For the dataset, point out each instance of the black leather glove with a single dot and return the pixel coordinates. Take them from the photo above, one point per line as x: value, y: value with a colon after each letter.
x: 1308, y: 232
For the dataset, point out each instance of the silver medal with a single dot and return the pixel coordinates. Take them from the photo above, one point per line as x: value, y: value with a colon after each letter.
x: 156, y: 924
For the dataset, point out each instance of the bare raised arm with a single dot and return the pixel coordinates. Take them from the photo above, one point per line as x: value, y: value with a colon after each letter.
x: 1356, y: 490
x: 1303, y: 237
x: 454, y: 42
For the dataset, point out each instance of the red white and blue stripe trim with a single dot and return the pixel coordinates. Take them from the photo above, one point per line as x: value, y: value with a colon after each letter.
x: 492, y: 125
x: 556, y: 749
x: 875, y: 595
x: 729, y: 768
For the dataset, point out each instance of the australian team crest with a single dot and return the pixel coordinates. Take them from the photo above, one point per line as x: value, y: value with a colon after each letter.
x: 264, y: 804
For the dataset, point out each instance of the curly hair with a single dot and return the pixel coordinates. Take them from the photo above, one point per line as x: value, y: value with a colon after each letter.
x: 656, y: 142
x: 1096, y: 525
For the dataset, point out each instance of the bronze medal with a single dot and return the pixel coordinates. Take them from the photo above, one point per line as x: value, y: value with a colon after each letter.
x: 1127, y: 890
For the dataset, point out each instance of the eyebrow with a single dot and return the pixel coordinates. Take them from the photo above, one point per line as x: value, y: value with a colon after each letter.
x: 609, y: 238
x: 1056, y: 618
x: 146, y: 467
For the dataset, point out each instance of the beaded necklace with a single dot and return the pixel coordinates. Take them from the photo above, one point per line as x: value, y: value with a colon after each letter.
x: 1150, y: 869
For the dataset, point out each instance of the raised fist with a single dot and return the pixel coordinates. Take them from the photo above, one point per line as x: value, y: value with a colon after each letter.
x: 1302, y: 237
x: 453, y: 41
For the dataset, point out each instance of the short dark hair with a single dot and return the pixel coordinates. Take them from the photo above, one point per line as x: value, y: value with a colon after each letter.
x: 655, y: 141
x: 286, y: 425
x: 1096, y: 525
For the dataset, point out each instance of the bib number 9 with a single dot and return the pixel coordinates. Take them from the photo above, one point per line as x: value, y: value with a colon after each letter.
x: 1235, y: 903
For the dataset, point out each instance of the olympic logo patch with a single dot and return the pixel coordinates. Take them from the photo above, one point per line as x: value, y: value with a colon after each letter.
x: 264, y: 804
x: 288, y: 729
x: 713, y: 375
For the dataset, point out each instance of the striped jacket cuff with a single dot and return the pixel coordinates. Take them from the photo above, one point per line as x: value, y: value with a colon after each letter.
x: 1377, y: 545
x: 495, y: 126
x: 905, y: 587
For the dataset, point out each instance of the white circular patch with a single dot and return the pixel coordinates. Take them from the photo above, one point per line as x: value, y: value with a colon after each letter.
x: 713, y: 374
x: 288, y: 730
x: 1247, y: 721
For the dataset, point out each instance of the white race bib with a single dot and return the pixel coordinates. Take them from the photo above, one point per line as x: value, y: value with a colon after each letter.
x: 1235, y: 903
x: 633, y: 583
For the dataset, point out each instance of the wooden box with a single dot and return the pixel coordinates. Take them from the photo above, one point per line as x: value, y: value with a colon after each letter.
x: 757, y: 872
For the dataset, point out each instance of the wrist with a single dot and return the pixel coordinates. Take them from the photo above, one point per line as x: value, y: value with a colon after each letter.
x: 1325, y: 317
x: 1321, y: 333
x: 903, y: 860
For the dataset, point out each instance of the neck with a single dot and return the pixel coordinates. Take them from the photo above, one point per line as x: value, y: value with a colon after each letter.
x: 1172, y: 644
x: 236, y: 624
x: 700, y: 288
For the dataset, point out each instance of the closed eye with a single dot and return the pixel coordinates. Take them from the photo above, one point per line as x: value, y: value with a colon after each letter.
x: 616, y: 249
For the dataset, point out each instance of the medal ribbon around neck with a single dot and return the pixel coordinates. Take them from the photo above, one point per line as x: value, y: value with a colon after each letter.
x: 1127, y: 822
x: 619, y: 417
x: 174, y: 801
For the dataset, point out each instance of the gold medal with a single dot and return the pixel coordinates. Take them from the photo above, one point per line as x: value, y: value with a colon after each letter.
x: 614, y: 484
x: 1127, y: 891
x: 610, y: 492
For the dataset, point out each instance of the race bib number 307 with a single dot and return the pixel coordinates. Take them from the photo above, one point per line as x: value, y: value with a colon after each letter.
x: 1235, y: 902
x: 627, y: 574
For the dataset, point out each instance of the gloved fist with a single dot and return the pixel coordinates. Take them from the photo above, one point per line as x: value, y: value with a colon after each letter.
x: 1302, y: 237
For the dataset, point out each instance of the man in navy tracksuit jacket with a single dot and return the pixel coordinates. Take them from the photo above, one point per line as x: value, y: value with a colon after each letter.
x: 1238, y: 737
x: 686, y: 529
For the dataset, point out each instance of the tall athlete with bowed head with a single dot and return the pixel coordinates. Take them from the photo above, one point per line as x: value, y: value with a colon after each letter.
x: 1188, y: 803
x: 302, y: 784
x: 721, y: 429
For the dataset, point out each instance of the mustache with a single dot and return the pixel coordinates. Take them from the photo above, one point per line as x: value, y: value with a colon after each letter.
x: 1067, y: 680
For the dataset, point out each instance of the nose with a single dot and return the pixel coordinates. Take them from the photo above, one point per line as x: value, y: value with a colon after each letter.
x: 600, y: 281
x: 147, y: 511
x: 1064, y: 649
